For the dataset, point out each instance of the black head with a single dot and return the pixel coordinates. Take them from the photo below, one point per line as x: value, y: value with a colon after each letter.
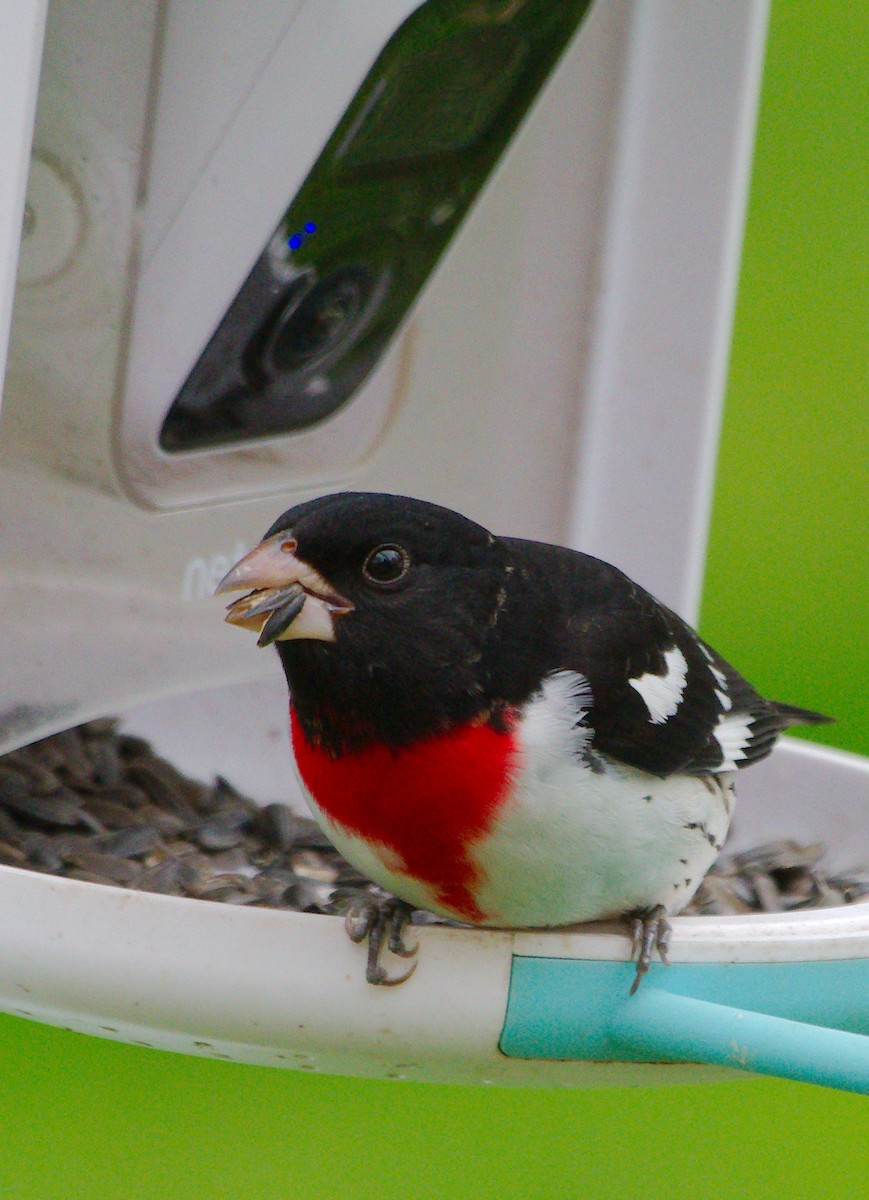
x: 417, y: 588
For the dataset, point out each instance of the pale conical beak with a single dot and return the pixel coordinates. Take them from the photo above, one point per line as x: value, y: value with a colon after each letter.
x: 289, y: 599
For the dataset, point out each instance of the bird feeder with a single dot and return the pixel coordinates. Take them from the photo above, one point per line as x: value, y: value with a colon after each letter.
x: 777, y: 993
x: 612, y: 223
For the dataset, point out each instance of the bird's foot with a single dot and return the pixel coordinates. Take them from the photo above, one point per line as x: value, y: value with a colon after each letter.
x: 381, y: 918
x: 650, y: 930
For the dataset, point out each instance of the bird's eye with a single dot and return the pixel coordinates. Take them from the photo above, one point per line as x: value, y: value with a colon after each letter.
x: 386, y: 566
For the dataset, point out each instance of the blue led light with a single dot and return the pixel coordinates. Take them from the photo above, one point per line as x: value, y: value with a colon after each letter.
x: 295, y: 240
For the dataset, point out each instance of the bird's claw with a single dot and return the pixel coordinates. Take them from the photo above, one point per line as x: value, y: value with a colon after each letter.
x: 398, y: 920
x: 650, y: 930
x: 381, y: 918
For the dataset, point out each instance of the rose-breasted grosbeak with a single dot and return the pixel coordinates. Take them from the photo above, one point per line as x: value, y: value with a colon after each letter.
x: 504, y: 732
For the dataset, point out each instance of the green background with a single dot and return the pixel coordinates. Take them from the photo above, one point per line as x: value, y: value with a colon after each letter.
x: 785, y: 600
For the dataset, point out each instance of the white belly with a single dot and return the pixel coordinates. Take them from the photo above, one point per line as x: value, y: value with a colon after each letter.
x: 575, y: 844
x: 578, y: 846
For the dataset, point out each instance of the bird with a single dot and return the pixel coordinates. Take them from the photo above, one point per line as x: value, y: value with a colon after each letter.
x: 504, y: 732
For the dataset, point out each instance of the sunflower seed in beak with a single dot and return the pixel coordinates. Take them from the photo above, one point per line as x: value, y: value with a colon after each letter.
x: 283, y: 617
x: 272, y: 599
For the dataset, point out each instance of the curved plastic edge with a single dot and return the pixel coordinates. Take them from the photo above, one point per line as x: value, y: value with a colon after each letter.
x: 267, y: 987
x: 262, y: 986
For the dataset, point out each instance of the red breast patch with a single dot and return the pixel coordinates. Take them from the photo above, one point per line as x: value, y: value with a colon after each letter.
x: 427, y: 802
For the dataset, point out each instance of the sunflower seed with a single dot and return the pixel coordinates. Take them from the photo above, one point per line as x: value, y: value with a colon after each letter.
x: 68, y: 843
x: 310, y: 895
x: 224, y: 795
x: 165, y: 878
x: 236, y: 861
x: 43, y: 853
x: 132, y: 842
x: 221, y: 886
x: 40, y: 781
x: 12, y: 783
x: 47, y: 810
x: 162, y: 787
x: 105, y: 761
x: 75, y: 767
x: 276, y: 824
x: 90, y: 877
x: 853, y: 887
x: 167, y: 824
x: 109, y: 866
x: 99, y: 727
x: 125, y: 794
x: 10, y: 830
x: 768, y: 898
x: 11, y: 855
x: 310, y: 865
x: 224, y: 830
x: 309, y: 836
x: 781, y: 855
x: 129, y: 746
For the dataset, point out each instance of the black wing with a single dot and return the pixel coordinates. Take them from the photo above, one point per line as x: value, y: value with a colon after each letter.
x: 663, y: 700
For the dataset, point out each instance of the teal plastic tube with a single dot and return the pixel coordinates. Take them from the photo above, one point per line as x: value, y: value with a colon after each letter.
x: 683, y: 1029
x: 806, y: 1021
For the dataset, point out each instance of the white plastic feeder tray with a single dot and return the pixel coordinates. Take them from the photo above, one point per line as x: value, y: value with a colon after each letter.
x: 779, y: 993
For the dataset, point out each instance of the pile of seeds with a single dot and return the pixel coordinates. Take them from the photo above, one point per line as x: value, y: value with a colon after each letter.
x: 780, y: 876
x: 99, y: 805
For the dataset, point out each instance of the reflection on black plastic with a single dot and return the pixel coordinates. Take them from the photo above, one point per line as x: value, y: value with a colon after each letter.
x: 406, y: 161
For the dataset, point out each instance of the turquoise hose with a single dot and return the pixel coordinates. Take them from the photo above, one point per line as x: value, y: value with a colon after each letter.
x: 807, y: 1021
x: 680, y: 1028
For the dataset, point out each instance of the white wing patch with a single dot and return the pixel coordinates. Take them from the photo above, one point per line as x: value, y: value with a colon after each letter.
x: 551, y: 720
x: 662, y: 694
x: 733, y: 735
x: 719, y: 677
x: 724, y: 700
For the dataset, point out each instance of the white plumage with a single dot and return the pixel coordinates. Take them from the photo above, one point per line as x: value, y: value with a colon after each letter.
x: 577, y: 842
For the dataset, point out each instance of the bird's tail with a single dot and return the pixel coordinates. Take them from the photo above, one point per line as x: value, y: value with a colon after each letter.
x: 792, y: 715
